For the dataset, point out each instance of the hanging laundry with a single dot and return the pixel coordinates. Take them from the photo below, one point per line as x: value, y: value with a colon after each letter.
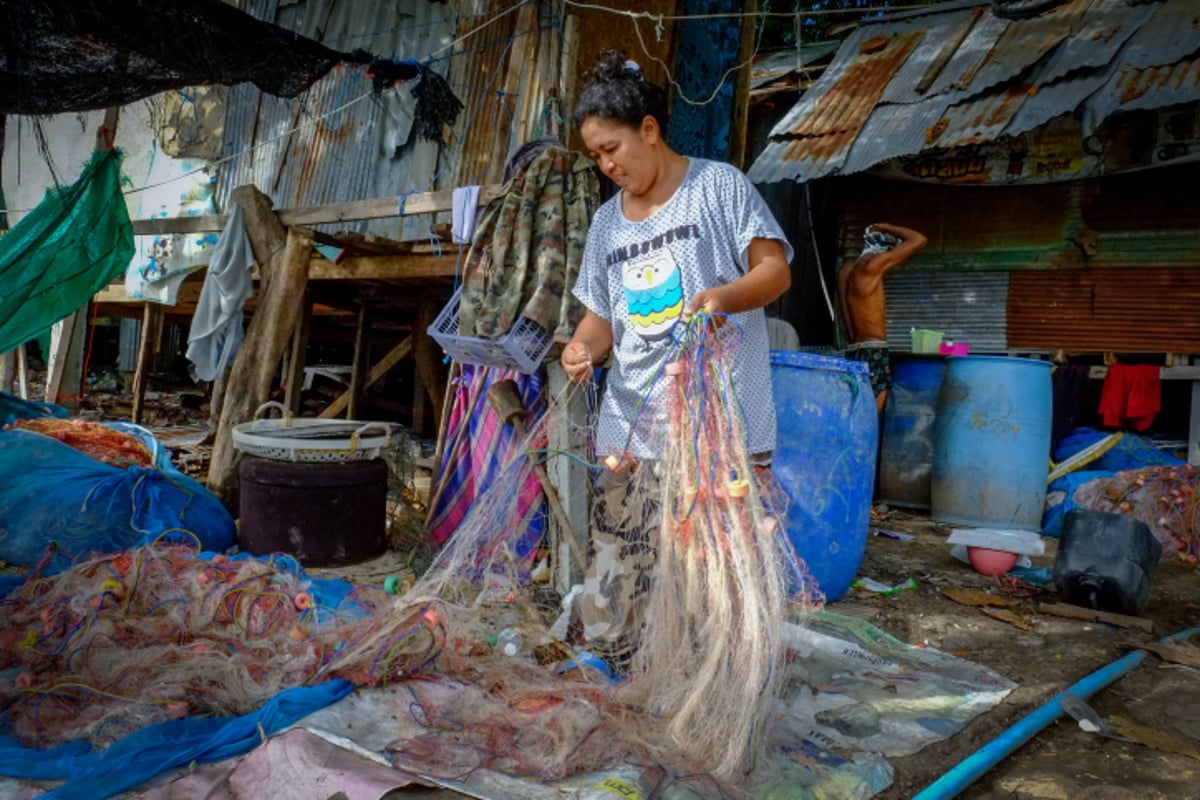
x: 217, y: 331
x: 464, y: 214
x: 1131, y: 396
x: 528, y: 247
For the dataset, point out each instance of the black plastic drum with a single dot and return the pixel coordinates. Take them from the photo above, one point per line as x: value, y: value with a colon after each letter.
x: 323, y: 514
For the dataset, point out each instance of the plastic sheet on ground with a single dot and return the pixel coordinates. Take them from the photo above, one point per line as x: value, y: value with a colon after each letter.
x: 868, y: 691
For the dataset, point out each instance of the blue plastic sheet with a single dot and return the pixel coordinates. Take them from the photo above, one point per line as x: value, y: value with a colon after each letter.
x: 13, y: 408
x: 52, y: 493
x: 159, y: 748
x: 1130, y: 452
x: 1053, y: 518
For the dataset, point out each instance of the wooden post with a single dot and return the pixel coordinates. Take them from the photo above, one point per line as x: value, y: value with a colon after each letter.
x: 358, y: 370
x: 569, y: 478
x: 257, y: 362
x: 22, y: 372
x: 152, y: 314
x: 295, y: 374
x: 741, y: 87
x: 64, y: 377
x: 8, y: 370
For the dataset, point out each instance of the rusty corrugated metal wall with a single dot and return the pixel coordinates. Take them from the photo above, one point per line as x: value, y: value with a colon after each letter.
x: 1130, y: 310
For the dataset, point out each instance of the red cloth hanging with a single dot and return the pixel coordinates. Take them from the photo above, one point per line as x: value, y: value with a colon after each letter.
x: 1131, y: 396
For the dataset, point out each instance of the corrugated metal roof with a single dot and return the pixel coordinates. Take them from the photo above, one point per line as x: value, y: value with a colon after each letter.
x: 352, y: 154
x: 1004, y: 77
x: 966, y: 307
x: 1144, y: 309
x: 774, y: 66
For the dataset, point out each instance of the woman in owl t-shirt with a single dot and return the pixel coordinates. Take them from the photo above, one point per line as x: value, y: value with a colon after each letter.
x: 682, y: 235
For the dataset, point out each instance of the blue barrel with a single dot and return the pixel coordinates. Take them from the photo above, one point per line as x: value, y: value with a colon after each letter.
x: 992, y: 443
x: 825, y: 461
x: 906, y: 451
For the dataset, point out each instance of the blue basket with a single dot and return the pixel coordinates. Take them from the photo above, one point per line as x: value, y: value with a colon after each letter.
x: 522, y: 348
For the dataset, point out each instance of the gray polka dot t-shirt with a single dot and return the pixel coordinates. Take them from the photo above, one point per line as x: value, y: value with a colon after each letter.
x: 640, y: 276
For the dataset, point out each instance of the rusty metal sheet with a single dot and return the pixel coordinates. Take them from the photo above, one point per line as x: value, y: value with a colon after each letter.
x: 1132, y: 88
x: 1149, y: 309
x: 1099, y: 36
x: 351, y: 154
x: 778, y: 65
x: 820, y: 133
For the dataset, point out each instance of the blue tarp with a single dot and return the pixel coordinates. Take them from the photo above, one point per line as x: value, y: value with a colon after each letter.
x: 13, y: 408
x: 53, y: 493
x: 97, y: 774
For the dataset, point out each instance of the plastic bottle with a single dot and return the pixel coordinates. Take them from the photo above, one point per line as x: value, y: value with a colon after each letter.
x: 510, y: 642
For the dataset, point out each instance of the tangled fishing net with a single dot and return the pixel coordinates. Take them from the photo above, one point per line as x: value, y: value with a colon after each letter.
x: 1165, y: 499
x: 102, y: 442
x: 159, y: 632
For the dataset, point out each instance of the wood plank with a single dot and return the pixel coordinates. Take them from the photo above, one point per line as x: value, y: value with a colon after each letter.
x: 399, y: 267
x: 22, y: 373
x: 1091, y: 615
x: 394, y: 357
x: 375, y: 208
x: 747, y: 44
x: 8, y: 370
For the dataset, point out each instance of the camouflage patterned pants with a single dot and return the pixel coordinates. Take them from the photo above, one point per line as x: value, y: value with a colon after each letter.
x: 626, y: 518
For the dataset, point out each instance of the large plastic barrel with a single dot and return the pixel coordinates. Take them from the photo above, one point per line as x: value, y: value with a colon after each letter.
x: 825, y: 461
x: 906, y: 450
x: 992, y: 443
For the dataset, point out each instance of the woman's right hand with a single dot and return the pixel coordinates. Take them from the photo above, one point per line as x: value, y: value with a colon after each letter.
x: 577, y: 361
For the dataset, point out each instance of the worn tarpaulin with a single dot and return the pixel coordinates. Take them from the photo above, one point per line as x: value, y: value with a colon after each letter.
x: 527, y: 249
x: 158, y: 748
x: 217, y: 332
x: 64, y: 251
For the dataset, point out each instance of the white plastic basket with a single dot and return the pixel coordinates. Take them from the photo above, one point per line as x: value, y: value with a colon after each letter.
x: 522, y: 348
x: 312, y: 440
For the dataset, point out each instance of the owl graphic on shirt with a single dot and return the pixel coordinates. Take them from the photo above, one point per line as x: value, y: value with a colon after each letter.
x: 654, y: 293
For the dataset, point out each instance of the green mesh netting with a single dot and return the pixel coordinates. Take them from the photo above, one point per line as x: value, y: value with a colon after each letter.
x: 64, y: 251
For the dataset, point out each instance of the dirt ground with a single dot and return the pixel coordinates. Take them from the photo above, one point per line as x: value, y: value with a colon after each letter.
x: 1063, y: 762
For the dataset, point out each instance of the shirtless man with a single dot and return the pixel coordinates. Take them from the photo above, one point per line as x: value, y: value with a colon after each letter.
x: 860, y: 293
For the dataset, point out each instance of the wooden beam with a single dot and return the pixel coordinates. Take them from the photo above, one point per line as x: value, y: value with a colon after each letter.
x: 397, y: 267
x: 358, y: 367
x: 64, y: 372
x: 526, y: 26
x: 254, y: 370
x: 267, y: 235
x: 152, y: 314
x: 394, y: 357
x: 427, y: 353
x: 375, y: 208
x: 747, y: 36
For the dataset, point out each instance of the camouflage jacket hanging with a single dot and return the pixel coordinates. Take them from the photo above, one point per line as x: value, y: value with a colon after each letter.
x: 527, y: 248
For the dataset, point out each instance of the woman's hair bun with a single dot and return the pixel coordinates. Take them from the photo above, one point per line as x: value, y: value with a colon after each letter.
x: 614, y: 65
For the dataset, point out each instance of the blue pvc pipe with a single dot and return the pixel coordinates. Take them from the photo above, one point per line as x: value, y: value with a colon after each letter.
x: 971, y: 768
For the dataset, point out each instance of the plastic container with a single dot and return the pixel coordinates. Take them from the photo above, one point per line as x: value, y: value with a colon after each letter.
x: 522, y: 348
x: 1105, y: 561
x: 322, y: 514
x: 906, y: 455
x: 510, y: 642
x: 825, y: 461
x: 954, y: 348
x: 927, y: 342
x: 992, y: 443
